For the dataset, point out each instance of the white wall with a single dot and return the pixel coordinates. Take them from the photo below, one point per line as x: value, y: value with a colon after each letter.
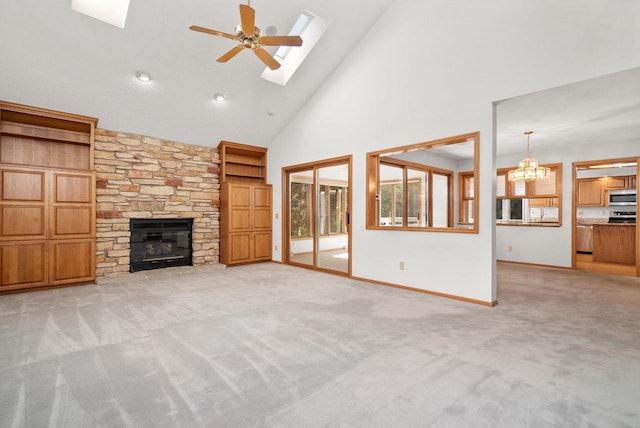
x: 431, y: 69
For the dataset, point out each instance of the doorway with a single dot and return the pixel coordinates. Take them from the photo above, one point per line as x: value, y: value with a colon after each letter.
x: 317, y: 222
x: 605, y: 236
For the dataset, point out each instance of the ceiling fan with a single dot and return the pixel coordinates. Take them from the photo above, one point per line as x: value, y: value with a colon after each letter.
x: 250, y: 37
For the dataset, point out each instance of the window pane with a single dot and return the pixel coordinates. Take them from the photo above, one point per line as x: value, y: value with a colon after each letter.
x: 417, y: 198
x: 336, y: 210
x: 440, y: 197
x: 391, y: 196
x: 300, y: 206
x: 322, y: 210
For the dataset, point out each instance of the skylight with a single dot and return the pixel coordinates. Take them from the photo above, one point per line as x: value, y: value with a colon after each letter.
x: 112, y: 12
x: 308, y: 26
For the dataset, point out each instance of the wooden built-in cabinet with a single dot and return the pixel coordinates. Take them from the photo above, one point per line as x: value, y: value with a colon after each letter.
x: 245, y: 223
x: 242, y: 162
x: 245, y: 204
x: 47, y: 198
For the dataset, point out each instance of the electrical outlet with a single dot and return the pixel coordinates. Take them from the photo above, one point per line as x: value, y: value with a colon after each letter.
x: 275, y: 247
x: 510, y: 248
x: 401, y: 265
x: 276, y: 215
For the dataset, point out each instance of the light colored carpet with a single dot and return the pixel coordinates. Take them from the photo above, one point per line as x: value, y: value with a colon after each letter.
x: 279, y: 346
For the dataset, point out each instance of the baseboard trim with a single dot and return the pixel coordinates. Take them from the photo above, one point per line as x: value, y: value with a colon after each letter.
x: 433, y: 293
x: 534, y: 264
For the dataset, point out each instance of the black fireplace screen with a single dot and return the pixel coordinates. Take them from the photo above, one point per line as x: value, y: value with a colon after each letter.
x: 159, y: 243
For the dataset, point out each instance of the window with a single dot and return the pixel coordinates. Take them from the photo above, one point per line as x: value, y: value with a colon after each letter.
x: 332, y: 206
x: 527, y: 203
x: 413, y: 187
x: 467, y: 197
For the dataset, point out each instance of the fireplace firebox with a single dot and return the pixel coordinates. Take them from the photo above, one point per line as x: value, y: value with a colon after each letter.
x: 160, y: 243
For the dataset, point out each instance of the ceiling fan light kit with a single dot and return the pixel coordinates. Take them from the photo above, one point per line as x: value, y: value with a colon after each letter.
x: 249, y: 36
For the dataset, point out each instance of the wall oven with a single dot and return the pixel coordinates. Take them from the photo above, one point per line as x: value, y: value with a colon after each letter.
x: 622, y: 197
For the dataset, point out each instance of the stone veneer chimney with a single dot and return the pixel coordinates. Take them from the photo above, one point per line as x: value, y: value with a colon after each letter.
x: 143, y: 177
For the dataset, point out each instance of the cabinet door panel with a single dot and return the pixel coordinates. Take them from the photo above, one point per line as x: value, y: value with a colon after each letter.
x: 262, y: 207
x: 22, y: 265
x: 73, y: 188
x: 70, y: 220
x: 262, y: 246
x: 590, y: 192
x: 22, y: 221
x: 613, y: 183
x: 239, y: 207
x: 22, y: 186
x: 72, y: 261
x: 240, y: 248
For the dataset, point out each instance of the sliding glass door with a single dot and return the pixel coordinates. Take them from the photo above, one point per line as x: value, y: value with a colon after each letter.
x: 318, y: 220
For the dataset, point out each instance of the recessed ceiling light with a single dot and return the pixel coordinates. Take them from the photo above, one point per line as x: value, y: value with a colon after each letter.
x: 219, y: 97
x: 143, y: 76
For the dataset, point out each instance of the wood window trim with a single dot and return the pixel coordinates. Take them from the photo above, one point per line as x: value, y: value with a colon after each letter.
x: 373, y: 162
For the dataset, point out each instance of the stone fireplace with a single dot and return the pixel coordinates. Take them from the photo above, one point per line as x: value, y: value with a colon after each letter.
x: 141, y: 178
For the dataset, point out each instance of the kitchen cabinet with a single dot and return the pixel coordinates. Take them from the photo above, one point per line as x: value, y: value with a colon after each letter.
x: 616, y: 182
x: 543, y: 202
x: 614, y: 243
x: 47, y: 198
x: 590, y: 192
x: 245, y: 223
x: 633, y: 182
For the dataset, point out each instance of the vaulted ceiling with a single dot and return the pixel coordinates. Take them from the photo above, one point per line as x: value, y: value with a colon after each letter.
x: 54, y: 57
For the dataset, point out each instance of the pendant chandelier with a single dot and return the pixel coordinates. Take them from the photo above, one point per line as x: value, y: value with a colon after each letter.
x: 529, y: 168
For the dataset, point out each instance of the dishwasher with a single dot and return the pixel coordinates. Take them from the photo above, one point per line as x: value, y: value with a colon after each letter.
x: 584, y: 238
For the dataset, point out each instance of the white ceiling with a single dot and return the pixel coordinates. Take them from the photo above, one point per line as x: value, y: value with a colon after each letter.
x: 56, y: 58
x: 603, y: 110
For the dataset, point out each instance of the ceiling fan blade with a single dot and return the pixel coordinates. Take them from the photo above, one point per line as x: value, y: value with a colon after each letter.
x: 266, y: 58
x: 214, y: 32
x: 247, y: 19
x: 231, y: 53
x: 281, y: 40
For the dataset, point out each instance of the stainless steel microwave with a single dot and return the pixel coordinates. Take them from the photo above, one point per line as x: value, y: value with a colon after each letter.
x: 622, y: 197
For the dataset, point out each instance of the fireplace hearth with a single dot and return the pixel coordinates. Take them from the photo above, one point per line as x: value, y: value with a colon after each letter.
x: 160, y: 243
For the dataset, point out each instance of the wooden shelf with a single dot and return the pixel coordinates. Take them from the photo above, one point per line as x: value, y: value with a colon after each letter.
x: 243, y: 163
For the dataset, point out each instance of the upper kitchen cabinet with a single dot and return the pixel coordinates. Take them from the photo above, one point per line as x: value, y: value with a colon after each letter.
x: 590, y: 192
x: 616, y: 183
